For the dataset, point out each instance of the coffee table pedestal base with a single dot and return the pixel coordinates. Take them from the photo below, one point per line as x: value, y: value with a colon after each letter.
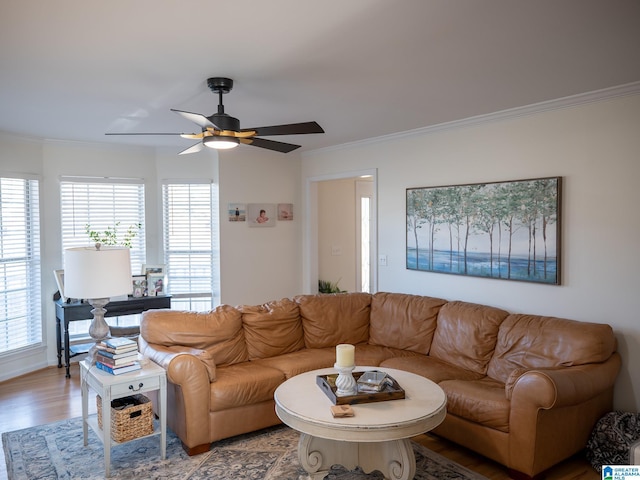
x: 394, y: 458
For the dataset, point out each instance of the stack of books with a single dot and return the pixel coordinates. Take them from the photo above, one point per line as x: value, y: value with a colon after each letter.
x: 118, y: 355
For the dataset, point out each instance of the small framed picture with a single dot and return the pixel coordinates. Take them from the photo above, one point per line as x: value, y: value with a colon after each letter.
x: 261, y: 214
x: 156, y: 280
x: 59, y: 274
x: 237, y: 212
x: 153, y: 270
x: 155, y: 284
x: 285, y: 211
x: 139, y: 285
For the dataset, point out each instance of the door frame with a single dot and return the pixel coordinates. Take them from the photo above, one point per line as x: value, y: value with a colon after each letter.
x: 310, y: 228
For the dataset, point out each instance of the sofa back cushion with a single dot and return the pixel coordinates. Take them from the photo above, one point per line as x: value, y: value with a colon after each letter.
x: 218, y: 331
x: 330, y: 319
x: 403, y: 321
x: 533, y: 341
x: 466, y: 335
x: 272, y: 329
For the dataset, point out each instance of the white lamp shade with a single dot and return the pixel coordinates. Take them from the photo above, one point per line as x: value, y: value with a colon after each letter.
x: 91, y: 273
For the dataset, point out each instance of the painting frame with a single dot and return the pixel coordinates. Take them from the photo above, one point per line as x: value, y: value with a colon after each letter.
x: 237, y: 212
x: 153, y: 269
x: 261, y: 214
x: 139, y: 285
x: 285, y: 212
x: 59, y: 275
x: 153, y: 274
x: 156, y: 284
x: 508, y: 230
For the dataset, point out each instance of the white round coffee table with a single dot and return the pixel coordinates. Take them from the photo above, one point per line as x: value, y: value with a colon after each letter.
x: 375, y: 438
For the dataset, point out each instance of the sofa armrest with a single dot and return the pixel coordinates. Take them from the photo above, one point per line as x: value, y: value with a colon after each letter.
x: 560, y: 387
x: 163, y: 355
x: 554, y: 410
x: 190, y: 385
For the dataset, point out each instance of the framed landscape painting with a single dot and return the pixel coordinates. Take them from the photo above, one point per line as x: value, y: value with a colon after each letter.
x: 505, y: 230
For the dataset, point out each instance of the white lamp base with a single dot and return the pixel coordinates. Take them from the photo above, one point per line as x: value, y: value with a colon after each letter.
x: 99, y: 328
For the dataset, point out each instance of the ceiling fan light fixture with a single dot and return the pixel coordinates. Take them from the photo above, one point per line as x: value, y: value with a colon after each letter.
x: 221, y: 143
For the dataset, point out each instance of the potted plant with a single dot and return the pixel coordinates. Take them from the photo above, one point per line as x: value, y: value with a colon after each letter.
x: 325, y: 286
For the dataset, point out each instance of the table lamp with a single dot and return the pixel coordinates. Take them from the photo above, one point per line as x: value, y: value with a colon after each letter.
x: 96, y: 274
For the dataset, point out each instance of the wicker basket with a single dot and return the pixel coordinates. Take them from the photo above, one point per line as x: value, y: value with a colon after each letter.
x: 131, y: 417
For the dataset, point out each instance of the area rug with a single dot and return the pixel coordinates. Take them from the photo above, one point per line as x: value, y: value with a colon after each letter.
x: 55, y: 452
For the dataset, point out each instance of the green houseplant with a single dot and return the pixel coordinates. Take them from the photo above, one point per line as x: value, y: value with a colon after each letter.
x: 325, y: 286
x: 110, y: 235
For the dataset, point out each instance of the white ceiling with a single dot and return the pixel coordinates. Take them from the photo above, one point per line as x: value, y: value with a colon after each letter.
x: 75, y: 69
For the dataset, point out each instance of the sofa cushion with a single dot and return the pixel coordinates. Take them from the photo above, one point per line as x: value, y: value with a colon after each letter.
x: 533, y: 341
x: 330, y: 319
x: 291, y: 364
x: 218, y: 331
x: 466, y: 335
x: 403, y: 321
x: 480, y: 401
x: 374, y: 355
x: 243, y: 383
x: 272, y: 329
x: 431, y: 368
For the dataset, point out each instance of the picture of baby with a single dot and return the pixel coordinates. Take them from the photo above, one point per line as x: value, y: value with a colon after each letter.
x: 261, y: 214
x: 285, y: 211
x: 262, y: 218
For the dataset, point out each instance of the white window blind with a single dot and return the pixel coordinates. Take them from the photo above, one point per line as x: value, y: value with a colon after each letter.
x: 20, y: 305
x: 191, y: 250
x: 102, y: 204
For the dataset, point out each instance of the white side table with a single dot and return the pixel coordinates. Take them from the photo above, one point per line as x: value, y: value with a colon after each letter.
x: 151, y: 377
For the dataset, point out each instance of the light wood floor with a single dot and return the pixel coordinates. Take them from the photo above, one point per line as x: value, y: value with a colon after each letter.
x: 47, y: 396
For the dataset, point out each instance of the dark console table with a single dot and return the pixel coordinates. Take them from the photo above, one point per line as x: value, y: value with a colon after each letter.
x: 75, y: 311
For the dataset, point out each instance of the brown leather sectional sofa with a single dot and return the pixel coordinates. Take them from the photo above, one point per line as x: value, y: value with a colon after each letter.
x: 523, y: 390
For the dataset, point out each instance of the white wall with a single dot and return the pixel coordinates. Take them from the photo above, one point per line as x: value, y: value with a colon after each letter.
x: 593, y: 146
x: 259, y: 264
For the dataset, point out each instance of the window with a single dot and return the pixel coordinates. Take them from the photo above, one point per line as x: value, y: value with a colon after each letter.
x: 103, y: 203
x: 365, y: 255
x: 191, y: 253
x: 20, y: 305
x: 364, y: 195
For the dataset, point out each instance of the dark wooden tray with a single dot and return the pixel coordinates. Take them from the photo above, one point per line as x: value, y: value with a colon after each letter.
x: 327, y: 384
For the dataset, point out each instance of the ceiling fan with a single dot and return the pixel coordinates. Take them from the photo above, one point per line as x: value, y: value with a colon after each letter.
x: 222, y: 131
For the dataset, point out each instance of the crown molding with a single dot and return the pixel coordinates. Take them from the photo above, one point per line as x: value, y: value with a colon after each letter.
x: 556, y: 104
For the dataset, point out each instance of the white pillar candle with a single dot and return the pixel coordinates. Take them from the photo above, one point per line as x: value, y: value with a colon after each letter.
x: 345, y: 355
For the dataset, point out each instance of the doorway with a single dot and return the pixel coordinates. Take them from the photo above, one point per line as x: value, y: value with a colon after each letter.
x: 341, y: 232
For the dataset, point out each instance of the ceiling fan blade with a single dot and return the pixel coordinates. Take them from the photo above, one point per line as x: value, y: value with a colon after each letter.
x: 151, y: 133
x: 269, y: 144
x: 196, y: 118
x: 193, y: 148
x: 289, y: 129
